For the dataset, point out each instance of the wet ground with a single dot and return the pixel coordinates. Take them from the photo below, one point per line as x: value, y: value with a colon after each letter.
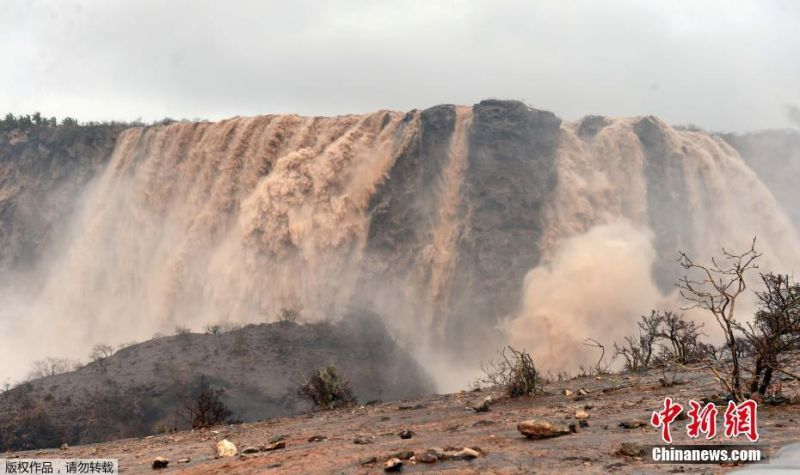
x: 445, y: 421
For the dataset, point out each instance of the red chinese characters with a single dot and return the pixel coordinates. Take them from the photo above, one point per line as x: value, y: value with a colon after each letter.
x: 702, y: 419
x: 742, y: 419
x: 665, y: 417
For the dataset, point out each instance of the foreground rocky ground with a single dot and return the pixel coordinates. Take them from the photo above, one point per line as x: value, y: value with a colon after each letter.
x: 362, y: 439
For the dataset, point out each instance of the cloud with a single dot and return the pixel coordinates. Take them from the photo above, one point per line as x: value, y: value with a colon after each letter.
x: 716, y: 65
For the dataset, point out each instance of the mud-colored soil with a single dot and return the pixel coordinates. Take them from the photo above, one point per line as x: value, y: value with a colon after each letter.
x: 445, y: 421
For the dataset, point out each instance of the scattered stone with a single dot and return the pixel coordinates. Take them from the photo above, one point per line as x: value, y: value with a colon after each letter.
x: 394, y: 464
x: 581, y: 415
x: 541, y: 429
x: 317, y: 438
x: 632, y: 424
x: 583, y: 392
x: 185, y: 460
x: 278, y: 438
x: 629, y: 449
x: 402, y: 455
x: 385, y: 418
x: 275, y: 465
x: 483, y: 422
x: 466, y: 454
x: 427, y: 457
x: 484, y: 405
x: 437, y: 452
x: 567, y: 392
x: 160, y: 462
x: 64, y: 447
x: 277, y: 445
x: 588, y: 407
x: 406, y: 407
x: 225, y: 448
x: 250, y: 450
x: 406, y: 434
x: 373, y: 402
x: 583, y: 423
x: 363, y: 440
x: 367, y: 460
x: 574, y: 427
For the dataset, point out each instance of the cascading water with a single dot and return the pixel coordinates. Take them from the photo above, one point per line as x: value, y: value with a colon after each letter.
x: 430, y: 217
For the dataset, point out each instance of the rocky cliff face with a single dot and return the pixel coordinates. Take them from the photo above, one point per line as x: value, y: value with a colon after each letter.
x: 43, y: 172
x: 465, y: 227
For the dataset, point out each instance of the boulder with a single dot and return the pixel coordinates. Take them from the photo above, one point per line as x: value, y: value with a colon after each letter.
x: 484, y: 405
x: 541, y: 429
x: 160, y: 462
x: 394, y: 464
x: 225, y: 448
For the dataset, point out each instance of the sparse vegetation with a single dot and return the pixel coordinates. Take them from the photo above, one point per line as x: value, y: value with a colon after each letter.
x: 289, y: 315
x: 213, y: 329
x: 327, y: 389
x: 664, y: 337
x: 100, y: 352
x: 513, y: 371
x: 51, y: 367
x: 773, y: 337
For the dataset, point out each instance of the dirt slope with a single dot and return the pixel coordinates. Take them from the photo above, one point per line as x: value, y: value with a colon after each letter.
x: 445, y: 421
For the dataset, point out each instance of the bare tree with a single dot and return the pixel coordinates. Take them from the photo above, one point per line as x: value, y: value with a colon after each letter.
x: 50, y: 367
x: 719, y: 286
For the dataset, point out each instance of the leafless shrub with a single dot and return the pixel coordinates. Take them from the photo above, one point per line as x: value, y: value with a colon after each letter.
x: 327, y: 389
x: 204, y: 408
x: 601, y: 366
x: 682, y: 336
x: 181, y: 330
x: 513, y: 371
x: 213, y: 329
x: 100, y: 352
x: 289, y: 315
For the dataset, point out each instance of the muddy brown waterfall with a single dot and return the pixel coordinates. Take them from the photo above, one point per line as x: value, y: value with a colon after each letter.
x: 461, y: 226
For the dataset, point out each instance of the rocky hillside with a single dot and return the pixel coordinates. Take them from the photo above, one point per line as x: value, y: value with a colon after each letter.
x: 138, y: 389
x: 609, y: 416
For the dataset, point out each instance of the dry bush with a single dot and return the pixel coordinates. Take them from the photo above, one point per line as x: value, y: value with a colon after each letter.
x: 204, y: 408
x: 773, y: 337
x: 327, y: 389
x: 289, y: 315
x: 513, y: 371
x: 100, y: 352
x: 682, y: 336
x: 664, y: 337
x: 51, y: 367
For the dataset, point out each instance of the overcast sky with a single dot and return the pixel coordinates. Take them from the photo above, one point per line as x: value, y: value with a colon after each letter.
x: 723, y: 65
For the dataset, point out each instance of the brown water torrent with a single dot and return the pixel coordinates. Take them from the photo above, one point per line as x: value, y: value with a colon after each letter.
x: 412, y: 213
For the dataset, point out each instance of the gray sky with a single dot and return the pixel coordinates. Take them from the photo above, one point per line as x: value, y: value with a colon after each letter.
x: 723, y: 65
